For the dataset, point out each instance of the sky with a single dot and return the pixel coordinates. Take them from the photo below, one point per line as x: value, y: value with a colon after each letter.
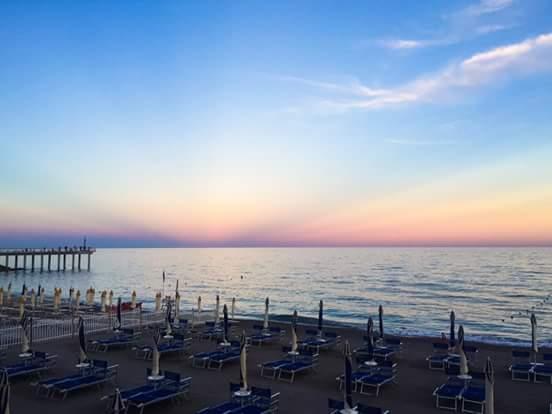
x: 284, y: 123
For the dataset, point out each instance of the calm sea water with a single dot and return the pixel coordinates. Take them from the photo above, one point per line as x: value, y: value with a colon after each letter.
x: 416, y: 286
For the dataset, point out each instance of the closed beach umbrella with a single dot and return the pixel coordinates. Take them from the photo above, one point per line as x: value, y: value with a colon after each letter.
x: 534, y: 343
x: 177, y: 306
x: 8, y: 294
x: 33, y: 298
x: 267, y: 304
x: 348, y: 389
x: 155, y: 356
x: 23, y: 289
x: 103, y: 300
x: 168, y: 319
x: 119, y: 316
x: 110, y: 300
x: 133, y: 300
x: 77, y: 300
x: 4, y: 392
x: 225, y: 321
x: 1, y: 296
x: 294, y: 332
x: 489, y: 387
x: 452, y: 341
x: 158, y: 302
x: 25, y: 322
x: 82, y: 341
x: 198, y: 305
x: 217, y: 310
x: 118, y: 406
x: 463, y: 359
x: 380, y: 311
x: 243, y: 363
x: 21, y: 306
x: 370, y: 337
x: 233, y: 309
x: 320, y: 317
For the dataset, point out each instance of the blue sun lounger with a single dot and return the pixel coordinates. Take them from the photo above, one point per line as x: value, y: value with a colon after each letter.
x: 336, y: 406
x: 34, y: 365
x: 543, y: 371
x: 316, y: 343
x: 449, y: 394
x: 473, y: 399
x: 262, y: 336
x: 173, y: 388
x: 438, y: 359
x: 212, y: 331
x: 218, y: 360
x: 125, y: 338
x: 99, y: 373
x: 226, y: 407
x: 522, y: 367
x: 303, y: 363
x: 178, y: 344
x: 270, y: 369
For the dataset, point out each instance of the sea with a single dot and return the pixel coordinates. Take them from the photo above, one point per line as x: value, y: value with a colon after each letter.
x: 492, y: 291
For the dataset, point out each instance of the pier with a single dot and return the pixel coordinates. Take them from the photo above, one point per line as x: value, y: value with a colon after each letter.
x: 23, y: 260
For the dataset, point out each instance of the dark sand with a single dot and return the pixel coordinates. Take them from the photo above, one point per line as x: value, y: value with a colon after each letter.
x: 411, y: 395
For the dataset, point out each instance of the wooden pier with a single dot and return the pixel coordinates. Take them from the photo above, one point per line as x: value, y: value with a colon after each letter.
x: 23, y: 260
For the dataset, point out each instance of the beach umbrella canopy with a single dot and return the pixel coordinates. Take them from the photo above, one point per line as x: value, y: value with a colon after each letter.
x: 489, y: 387
x: 243, y: 363
x: 82, y: 341
x: 294, y: 332
x: 118, y: 406
x: 452, y: 341
x: 320, y: 317
x: 348, y: 388
x: 463, y: 360
x: 4, y: 392
x: 265, y: 324
x: 534, y: 343
x: 225, y: 320
x: 380, y: 311
x: 155, y: 356
x: 370, y: 337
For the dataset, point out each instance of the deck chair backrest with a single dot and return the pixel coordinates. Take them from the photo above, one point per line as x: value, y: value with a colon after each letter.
x: 172, y: 376
x: 335, y: 404
x: 547, y: 359
x: 366, y: 409
x: 261, y: 392
x: 519, y: 356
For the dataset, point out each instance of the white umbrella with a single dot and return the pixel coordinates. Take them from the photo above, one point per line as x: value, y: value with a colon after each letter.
x: 489, y: 387
x: 243, y: 363
x: 534, y: 344
x: 460, y: 347
x: 155, y: 356
x: 294, y: 332
x: 265, y: 323
x: 217, y: 305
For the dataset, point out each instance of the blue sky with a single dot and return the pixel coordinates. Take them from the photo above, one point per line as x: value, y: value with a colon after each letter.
x: 286, y: 123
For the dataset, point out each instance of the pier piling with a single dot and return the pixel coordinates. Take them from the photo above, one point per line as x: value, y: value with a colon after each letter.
x: 60, y: 256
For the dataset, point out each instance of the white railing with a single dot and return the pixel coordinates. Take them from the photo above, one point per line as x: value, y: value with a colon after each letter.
x: 51, y: 329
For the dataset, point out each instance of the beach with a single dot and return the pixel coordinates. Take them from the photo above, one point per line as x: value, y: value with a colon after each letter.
x: 412, y: 394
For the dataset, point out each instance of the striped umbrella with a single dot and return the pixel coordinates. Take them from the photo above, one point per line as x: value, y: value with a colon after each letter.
x: 225, y: 320
x: 155, y: 356
x: 243, y: 363
x: 380, y: 311
x: 294, y: 332
x: 489, y: 387
x: 119, y: 405
x: 82, y: 341
x: 4, y: 392
x: 25, y: 323
x: 265, y: 324
x: 348, y: 389
x: 370, y: 337
x: 320, y: 317
x: 452, y: 341
x: 460, y: 346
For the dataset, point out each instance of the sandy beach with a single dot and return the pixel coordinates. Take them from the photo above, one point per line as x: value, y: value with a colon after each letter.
x: 412, y: 394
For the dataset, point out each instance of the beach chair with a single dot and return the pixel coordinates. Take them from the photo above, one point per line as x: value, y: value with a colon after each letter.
x: 287, y: 372
x: 473, y: 396
x: 522, y: 367
x: 368, y: 409
x: 438, y: 359
x: 173, y: 388
x: 449, y: 394
x: 261, y: 337
x: 37, y: 363
x: 226, y: 407
x: 317, y: 343
x: 270, y: 369
x: 218, y: 360
x: 265, y: 399
x: 542, y: 371
x: 201, y: 359
x: 125, y: 338
x: 374, y: 381
x: 210, y: 331
x: 100, y: 373
x: 177, y: 345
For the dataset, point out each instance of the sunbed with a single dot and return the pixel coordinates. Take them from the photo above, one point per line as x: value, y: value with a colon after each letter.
x: 316, y: 343
x: 543, y: 371
x: 99, y: 373
x: 438, y: 359
x: 263, y: 336
x: 125, y: 338
x: 521, y: 368
x: 178, y: 344
x: 218, y: 360
x: 37, y: 363
x: 448, y: 395
x: 288, y: 371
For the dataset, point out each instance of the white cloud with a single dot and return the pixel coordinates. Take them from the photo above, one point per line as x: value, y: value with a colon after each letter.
x: 487, y: 7
x: 531, y: 55
x: 403, y: 44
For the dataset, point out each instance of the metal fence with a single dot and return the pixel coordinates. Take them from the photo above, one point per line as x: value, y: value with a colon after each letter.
x: 48, y: 329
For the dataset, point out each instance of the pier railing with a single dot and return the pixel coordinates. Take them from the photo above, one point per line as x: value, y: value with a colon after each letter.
x: 51, y: 329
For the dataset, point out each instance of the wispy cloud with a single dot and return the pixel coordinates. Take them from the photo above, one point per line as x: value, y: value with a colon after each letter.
x: 531, y: 55
x: 418, y: 143
x: 460, y: 25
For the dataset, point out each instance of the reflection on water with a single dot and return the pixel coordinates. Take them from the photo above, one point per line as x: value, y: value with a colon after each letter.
x: 416, y: 286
